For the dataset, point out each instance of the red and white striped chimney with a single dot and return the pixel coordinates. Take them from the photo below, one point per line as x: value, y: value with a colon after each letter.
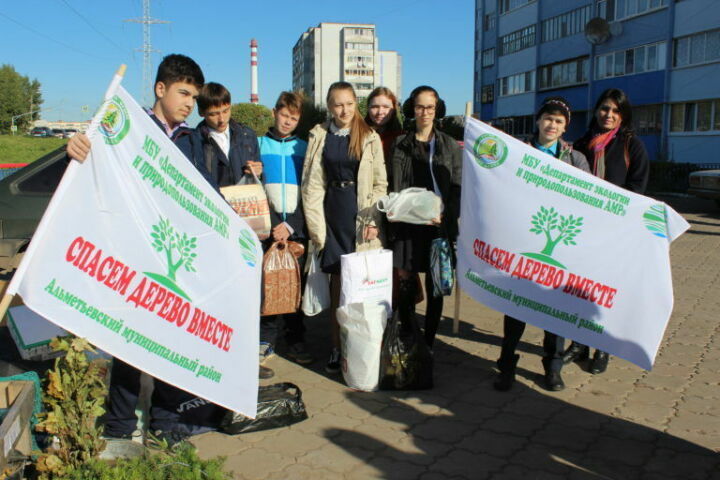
x: 253, y: 72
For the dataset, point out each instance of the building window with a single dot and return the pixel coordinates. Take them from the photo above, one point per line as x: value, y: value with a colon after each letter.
x: 489, y: 22
x: 520, y: 127
x: 647, y: 119
x: 488, y: 57
x: 645, y: 58
x: 563, y: 74
x: 360, y: 60
x: 507, y: 5
x: 517, y: 40
x: 358, y: 46
x: 515, y: 84
x: 358, y: 72
x: 698, y: 48
x: 701, y: 116
x: 361, y: 31
x: 487, y: 94
x: 566, y: 24
x: 619, y: 9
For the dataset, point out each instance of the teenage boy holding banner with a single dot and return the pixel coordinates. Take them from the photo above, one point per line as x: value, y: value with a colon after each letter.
x: 552, y: 119
x: 177, y: 85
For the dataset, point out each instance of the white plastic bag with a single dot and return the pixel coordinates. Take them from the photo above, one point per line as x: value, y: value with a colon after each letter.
x: 361, y: 332
x: 367, y: 277
x: 412, y: 205
x: 317, y: 288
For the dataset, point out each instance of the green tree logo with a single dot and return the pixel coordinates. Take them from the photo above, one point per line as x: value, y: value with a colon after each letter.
x: 115, y: 124
x: 656, y: 221
x: 178, y: 249
x: 545, y: 222
x: 247, y: 248
x: 490, y: 151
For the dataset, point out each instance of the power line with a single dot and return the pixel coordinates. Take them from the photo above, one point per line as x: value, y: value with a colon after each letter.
x: 89, y: 24
x: 147, y: 49
x: 70, y: 47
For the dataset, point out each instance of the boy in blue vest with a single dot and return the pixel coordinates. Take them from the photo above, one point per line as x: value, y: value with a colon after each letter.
x: 282, y: 155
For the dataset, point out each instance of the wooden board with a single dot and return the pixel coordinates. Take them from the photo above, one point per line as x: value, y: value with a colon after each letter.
x: 18, y: 396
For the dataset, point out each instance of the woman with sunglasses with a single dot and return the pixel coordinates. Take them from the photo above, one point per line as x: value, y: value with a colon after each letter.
x: 617, y: 155
x: 430, y: 159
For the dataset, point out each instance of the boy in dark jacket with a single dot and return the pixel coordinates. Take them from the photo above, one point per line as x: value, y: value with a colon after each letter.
x: 177, y: 85
x: 225, y: 148
x: 228, y: 151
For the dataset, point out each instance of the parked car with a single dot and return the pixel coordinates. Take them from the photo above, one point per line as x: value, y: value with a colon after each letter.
x: 58, y: 132
x: 41, y: 132
x: 24, y: 196
x: 705, y: 184
x: 69, y: 132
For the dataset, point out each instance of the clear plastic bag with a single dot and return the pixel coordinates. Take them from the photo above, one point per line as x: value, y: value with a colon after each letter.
x: 412, y: 205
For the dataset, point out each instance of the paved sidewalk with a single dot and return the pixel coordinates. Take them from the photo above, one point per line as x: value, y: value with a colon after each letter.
x: 624, y: 424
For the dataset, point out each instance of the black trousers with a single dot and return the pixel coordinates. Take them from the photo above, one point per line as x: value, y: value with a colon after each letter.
x: 553, y: 345
x: 407, y: 292
x: 294, y: 328
x: 171, y: 409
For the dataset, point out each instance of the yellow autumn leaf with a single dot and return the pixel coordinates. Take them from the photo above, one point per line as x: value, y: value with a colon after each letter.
x: 80, y: 344
x: 54, y: 386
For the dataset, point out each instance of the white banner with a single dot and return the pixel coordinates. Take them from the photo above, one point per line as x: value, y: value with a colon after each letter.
x: 559, y: 248
x: 141, y: 256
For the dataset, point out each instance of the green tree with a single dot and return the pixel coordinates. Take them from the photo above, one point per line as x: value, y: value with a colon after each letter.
x: 363, y: 106
x: 18, y: 95
x: 166, y: 238
x: 546, y: 221
x: 258, y: 117
x: 311, y: 115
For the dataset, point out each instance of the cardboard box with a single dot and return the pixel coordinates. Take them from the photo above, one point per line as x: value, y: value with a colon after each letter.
x: 32, y: 334
x: 18, y: 397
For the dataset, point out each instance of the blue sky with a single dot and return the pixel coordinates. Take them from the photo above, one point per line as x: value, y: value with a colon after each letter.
x: 73, y: 46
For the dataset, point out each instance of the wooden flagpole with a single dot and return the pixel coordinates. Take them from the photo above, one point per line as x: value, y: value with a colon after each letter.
x: 458, y: 293
x: 20, y: 270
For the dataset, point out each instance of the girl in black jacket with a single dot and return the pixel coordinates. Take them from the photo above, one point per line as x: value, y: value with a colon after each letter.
x: 430, y: 159
x: 618, y: 156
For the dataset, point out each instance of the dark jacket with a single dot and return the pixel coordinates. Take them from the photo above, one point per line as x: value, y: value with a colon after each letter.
x: 446, y: 167
x: 633, y: 177
x: 182, y: 137
x: 207, y: 154
x: 567, y: 154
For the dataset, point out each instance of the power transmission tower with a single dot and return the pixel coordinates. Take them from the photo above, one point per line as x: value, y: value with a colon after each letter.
x: 147, y: 50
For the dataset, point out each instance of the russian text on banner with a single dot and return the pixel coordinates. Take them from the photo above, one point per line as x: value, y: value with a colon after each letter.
x: 559, y: 248
x: 137, y: 253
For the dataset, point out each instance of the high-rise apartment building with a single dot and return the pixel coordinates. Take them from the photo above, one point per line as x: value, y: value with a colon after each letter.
x: 347, y: 52
x: 665, y: 55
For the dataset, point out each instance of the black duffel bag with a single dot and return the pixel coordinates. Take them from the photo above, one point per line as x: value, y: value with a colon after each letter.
x: 279, y: 405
